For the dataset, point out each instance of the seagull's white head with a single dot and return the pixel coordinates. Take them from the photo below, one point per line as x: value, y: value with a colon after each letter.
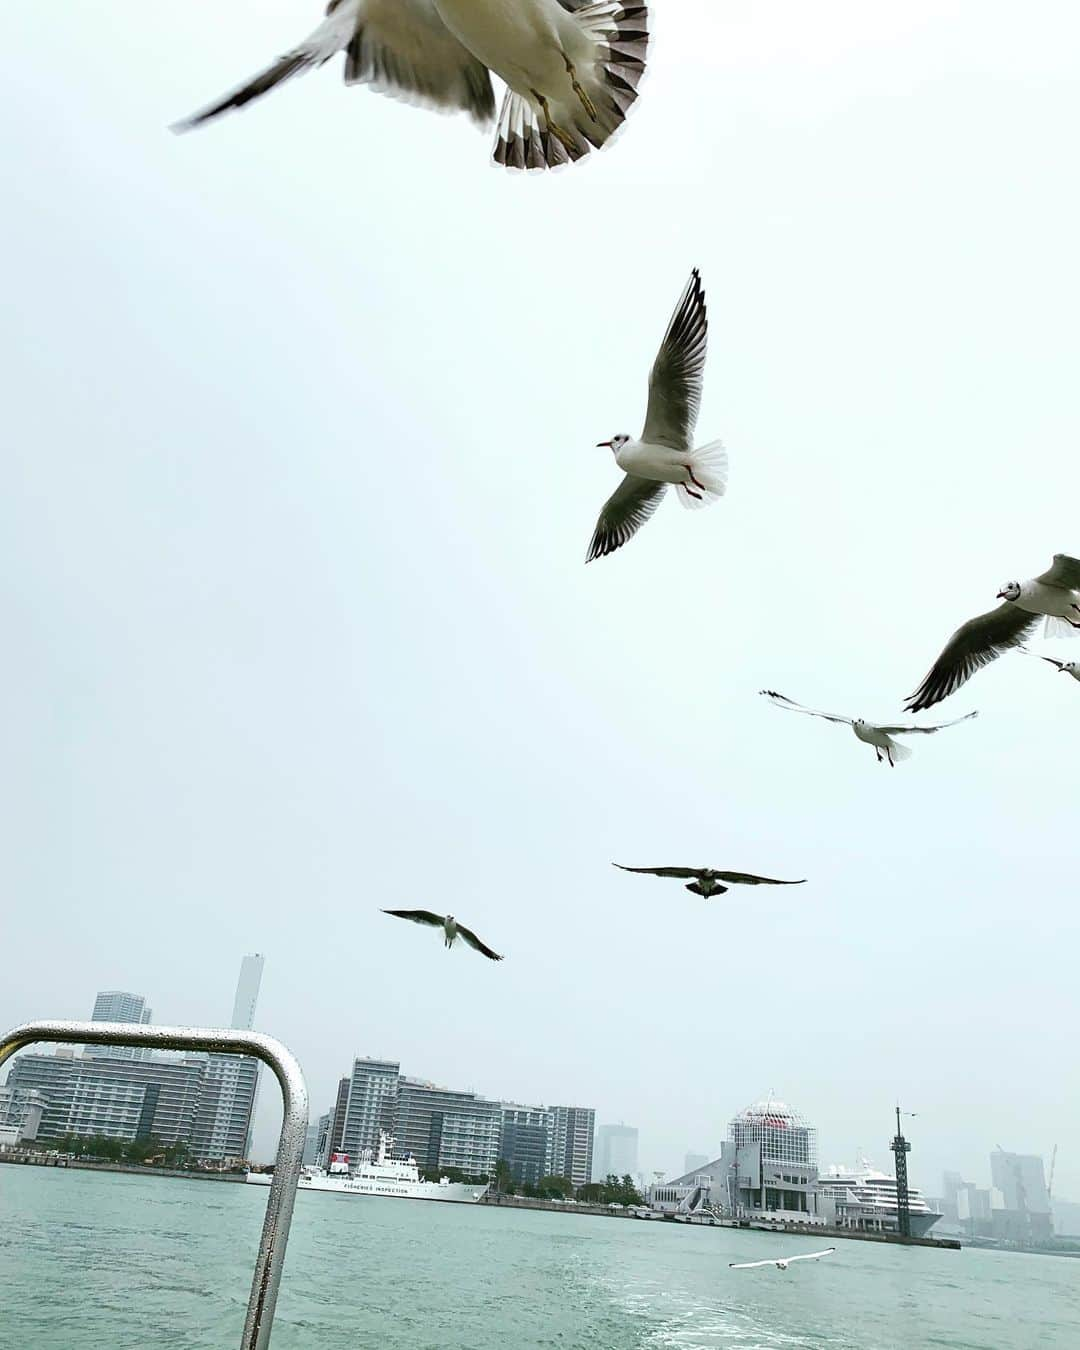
x: 615, y: 444
x: 1010, y: 591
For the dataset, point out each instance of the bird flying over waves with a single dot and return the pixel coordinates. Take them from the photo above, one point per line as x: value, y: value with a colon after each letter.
x: 873, y: 733
x: 782, y: 1263
x: 665, y: 453
x: 452, y: 930
x: 1063, y: 667
x: 1055, y: 595
x: 571, y: 67
x: 707, y: 881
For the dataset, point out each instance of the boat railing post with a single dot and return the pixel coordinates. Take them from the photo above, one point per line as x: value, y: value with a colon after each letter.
x: 290, y: 1150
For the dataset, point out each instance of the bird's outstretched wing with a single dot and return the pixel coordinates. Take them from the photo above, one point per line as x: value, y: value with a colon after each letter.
x: 682, y: 872
x: 417, y: 916
x: 749, y: 879
x: 1063, y: 571
x: 1052, y: 659
x: 792, y: 706
x: 473, y: 941
x: 677, y: 373
x: 971, y: 647
x: 624, y: 513
x: 810, y: 1256
x: 910, y: 730
x: 748, y: 1265
x: 399, y: 47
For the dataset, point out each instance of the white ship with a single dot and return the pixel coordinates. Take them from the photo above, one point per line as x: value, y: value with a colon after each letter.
x: 398, y: 1178
x: 861, y: 1197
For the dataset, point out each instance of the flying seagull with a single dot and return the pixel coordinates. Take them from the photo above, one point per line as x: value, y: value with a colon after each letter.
x: 873, y: 733
x: 665, y: 453
x: 707, y: 880
x: 571, y: 67
x: 1064, y: 667
x: 782, y: 1263
x: 1055, y: 595
x: 452, y: 930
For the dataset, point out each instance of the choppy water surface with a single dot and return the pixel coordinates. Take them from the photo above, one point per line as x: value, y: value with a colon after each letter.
x: 131, y: 1263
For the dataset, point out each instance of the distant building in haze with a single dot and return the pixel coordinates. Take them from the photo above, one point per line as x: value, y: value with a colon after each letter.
x: 114, y: 1005
x: 616, y: 1151
x: 231, y: 1085
x: 1024, y: 1213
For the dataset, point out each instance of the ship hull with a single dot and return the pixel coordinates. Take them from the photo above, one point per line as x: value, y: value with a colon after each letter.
x: 455, y: 1193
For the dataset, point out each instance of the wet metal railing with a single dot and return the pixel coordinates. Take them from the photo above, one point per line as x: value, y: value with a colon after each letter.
x: 279, y: 1207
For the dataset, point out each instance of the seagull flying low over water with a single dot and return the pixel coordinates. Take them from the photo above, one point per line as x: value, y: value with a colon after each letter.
x: 782, y: 1263
x: 1064, y: 667
x: 452, y: 930
x: 1055, y: 595
x: 665, y: 453
x: 873, y: 733
x: 572, y: 67
x: 707, y: 881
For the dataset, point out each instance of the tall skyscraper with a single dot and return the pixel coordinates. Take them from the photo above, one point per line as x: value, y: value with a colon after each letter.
x: 572, y: 1143
x: 616, y: 1151
x: 1025, y: 1204
x: 114, y: 1005
x: 231, y: 1084
x: 247, y: 992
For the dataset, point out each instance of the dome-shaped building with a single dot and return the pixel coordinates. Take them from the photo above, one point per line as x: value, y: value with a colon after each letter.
x: 770, y: 1159
x: 784, y: 1134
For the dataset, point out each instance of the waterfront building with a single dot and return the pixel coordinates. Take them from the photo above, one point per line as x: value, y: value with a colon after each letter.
x: 335, y: 1130
x: 119, y: 1098
x: 370, y: 1106
x: 21, y: 1110
x: 115, y: 1005
x: 1024, y: 1209
x: 694, y: 1162
x: 316, y: 1139
x: 767, y: 1168
x: 616, y: 1151
x: 572, y: 1143
x: 526, y: 1144
x: 443, y: 1127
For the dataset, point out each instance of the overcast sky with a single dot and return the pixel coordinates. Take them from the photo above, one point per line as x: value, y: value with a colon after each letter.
x: 299, y: 416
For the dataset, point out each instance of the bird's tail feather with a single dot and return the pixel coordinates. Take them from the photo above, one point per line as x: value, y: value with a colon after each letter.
x: 899, y: 752
x: 1059, y: 627
x: 709, y: 465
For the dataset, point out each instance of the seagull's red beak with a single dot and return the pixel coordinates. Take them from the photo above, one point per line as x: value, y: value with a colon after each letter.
x: 603, y: 445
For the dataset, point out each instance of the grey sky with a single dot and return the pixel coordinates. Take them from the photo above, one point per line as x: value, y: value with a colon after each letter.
x: 299, y: 417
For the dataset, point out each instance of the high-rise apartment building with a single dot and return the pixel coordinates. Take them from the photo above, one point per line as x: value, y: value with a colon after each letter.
x: 114, y: 1005
x: 443, y: 1127
x: 572, y: 1143
x: 527, y: 1141
x: 370, y: 1105
x: 231, y: 1084
x: 616, y: 1151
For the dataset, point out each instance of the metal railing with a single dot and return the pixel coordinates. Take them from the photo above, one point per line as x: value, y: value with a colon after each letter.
x: 279, y: 1206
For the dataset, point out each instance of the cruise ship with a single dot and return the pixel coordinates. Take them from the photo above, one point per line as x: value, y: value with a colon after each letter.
x: 395, y: 1178
x: 862, y: 1197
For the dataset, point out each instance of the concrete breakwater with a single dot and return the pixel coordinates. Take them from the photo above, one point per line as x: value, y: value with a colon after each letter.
x: 51, y: 1160
x: 761, y: 1226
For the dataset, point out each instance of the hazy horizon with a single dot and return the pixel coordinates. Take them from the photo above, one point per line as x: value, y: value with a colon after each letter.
x: 301, y: 416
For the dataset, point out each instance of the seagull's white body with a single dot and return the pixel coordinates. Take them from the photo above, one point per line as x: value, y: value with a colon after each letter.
x: 522, y: 41
x: 659, y: 463
x: 1060, y: 607
x: 1063, y: 667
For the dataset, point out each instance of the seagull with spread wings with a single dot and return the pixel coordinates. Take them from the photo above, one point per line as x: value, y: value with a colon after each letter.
x: 707, y: 881
x: 452, y: 930
x: 1054, y: 596
x: 781, y: 1263
x: 571, y: 67
x: 665, y: 453
x: 1063, y: 667
x: 878, y: 735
